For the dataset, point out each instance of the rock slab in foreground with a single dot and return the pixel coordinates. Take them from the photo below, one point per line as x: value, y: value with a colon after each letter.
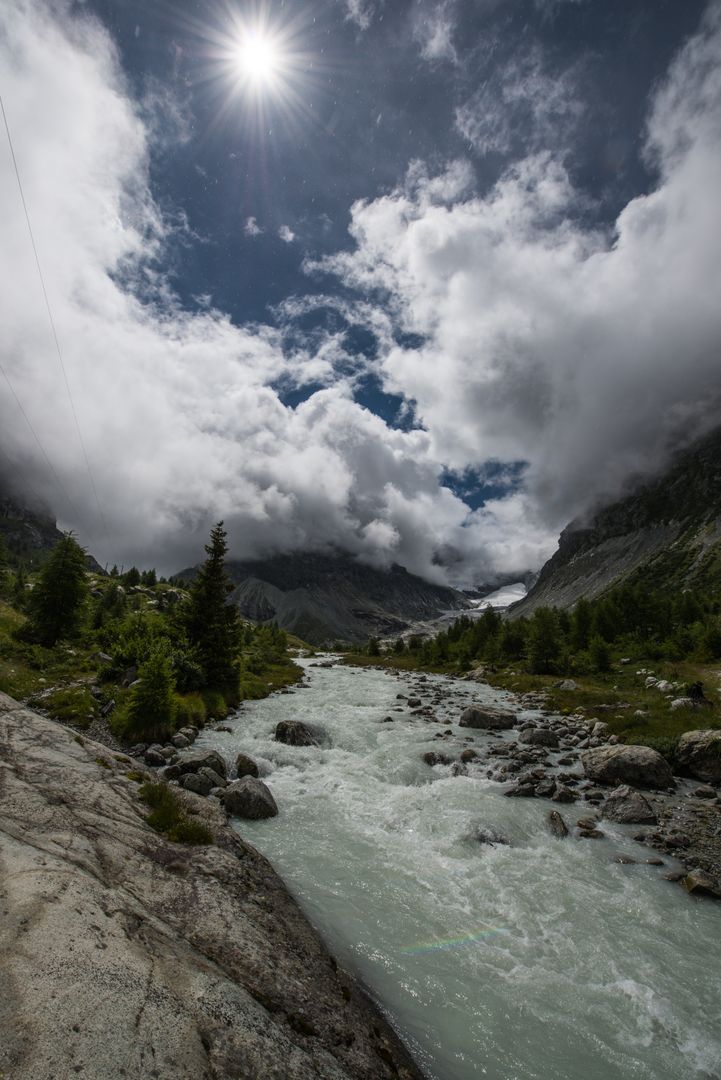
x: 639, y: 766
x: 486, y: 717
x: 699, y: 754
x: 122, y: 954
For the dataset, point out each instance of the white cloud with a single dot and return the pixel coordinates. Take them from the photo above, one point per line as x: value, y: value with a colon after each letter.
x: 434, y: 26
x: 286, y: 234
x: 526, y: 105
x: 362, y: 12
x: 178, y: 410
x: 252, y: 228
x: 588, y: 355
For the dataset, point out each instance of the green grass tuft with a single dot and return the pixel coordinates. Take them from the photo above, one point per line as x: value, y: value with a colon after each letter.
x: 167, y: 815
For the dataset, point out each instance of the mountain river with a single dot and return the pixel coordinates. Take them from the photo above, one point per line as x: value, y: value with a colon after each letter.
x: 542, y: 959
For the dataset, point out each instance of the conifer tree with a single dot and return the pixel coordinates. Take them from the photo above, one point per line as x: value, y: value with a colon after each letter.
x: 543, y: 641
x: 58, y: 601
x: 152, y: 708
x: 211, y: 623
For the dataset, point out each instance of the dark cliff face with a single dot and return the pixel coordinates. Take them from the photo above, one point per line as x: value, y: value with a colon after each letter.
x: 30, y: 532
x: 329, y: 598
x: 667, y: 531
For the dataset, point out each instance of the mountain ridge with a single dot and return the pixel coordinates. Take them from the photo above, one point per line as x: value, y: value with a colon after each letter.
x: 324, y: 598
x: 666, y: 532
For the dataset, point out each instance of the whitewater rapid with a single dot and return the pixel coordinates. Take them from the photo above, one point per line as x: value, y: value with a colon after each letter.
x: 542, y: 959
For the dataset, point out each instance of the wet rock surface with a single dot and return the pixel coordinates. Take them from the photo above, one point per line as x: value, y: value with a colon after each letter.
x: 639, y: 766
x: 122, y: 954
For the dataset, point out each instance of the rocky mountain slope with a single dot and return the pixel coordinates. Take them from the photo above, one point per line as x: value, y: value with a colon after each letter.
x: 123, y: 954
x: 329, y: 598
x: 667, y: 532
x: 29, y: 530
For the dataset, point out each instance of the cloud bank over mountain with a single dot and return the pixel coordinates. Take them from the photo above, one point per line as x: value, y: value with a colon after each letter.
x: 533, y: 337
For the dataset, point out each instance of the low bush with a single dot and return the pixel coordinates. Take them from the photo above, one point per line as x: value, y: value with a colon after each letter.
x: 190, y: 710
x: 215, y: 704
x: 70, y: 705
x: 167, y: 815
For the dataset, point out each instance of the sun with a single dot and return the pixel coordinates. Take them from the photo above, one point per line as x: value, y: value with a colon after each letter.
x: 258, y: 58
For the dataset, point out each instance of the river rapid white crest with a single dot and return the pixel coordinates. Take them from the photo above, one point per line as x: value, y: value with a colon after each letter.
x: 538, y: 960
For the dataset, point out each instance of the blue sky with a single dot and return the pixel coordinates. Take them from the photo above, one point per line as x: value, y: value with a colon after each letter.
x: 426, y: 294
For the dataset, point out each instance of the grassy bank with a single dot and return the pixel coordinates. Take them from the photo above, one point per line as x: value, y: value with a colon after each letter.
x: 77, y: 682
x: 635, y: 713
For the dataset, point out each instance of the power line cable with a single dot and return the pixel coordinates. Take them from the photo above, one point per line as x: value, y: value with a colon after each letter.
x: 52, y: 324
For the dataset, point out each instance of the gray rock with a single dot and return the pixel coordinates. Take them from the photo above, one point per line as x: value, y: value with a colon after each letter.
x: 245, y: 766
x: 704, y: 791
x: 699, y: 754
x: 215, y: 778
x: 682, y: 703
x: 486, y: 717
x: 199, y: 759
x: 628, y: 807
x: 556, y: 824
x: 563, y: 794
x: 699, y: 882
x: 538, y: 736
x: 153, y: 757
x: 249, y: 798
x: 294, y: 733
x: 180, y: 742
x: 487, y: 835
x: 201, y: 785
x: 568, y: 684
x: 639, y: 766
x: 434, y: 758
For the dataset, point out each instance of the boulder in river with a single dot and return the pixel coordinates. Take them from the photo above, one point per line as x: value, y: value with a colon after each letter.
x: 639, y: 766
x: 556, y: 824
x: 432, y: 757
x: 485, y: 834
x: 245, y: 766
x: 294, y: 733
x: 199, y: 759
x: 699, y: 754
x: 249, y: 798
x: 628, y: 807
x: 486, y: 717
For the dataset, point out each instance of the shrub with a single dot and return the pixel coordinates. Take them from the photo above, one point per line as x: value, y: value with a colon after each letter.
x: 73, y: 705
x: 190, y: 709
x: 215, y: 704
x: 151, y: 709
x: 167, y: 815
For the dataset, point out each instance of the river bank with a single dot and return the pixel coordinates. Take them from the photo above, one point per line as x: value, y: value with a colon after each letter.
x: 125, y: 954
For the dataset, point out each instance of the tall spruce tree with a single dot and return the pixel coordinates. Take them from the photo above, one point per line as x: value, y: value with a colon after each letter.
x: 211, y: 623
x: 59, y: 599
